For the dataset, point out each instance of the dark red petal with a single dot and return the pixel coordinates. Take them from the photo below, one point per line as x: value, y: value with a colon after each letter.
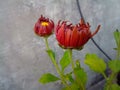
x: 36, y: 28
x: 86, y: 37
x: 98, y: 28
x: 49, y: 29
x: 51, y: 23
x: 67, y: 37
x: 82, y: 21
x: 74, y: 37
x: 88, y: 25
x: 57, y: 27
x: 42, y: 30
x: 61, y: 35
x: 81, y: 37
x: 59, y: 22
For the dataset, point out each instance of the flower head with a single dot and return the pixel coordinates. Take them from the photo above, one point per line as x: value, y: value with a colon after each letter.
x: 74, y: 36
x: 44, y: 26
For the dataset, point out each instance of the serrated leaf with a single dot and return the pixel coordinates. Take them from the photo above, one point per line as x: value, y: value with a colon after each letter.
x: 51, y: 54
x: 95, y: 63
x: 65, y: 60
x: 114, y: 65
x: 47, y: 78
x: 81, y: 76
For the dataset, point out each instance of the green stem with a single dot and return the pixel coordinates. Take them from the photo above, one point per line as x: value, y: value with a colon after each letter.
x: 70, y: 55
x: 56, y: 66
x: 104, y: 75
x: 73, y: 67
x: 118, y: 54
x: 110, y: 80
x: 46, y: 42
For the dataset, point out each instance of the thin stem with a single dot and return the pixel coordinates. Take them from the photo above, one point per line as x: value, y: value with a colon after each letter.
x: 73, y: 67
x: 70, y: 55
x: 56, y: 66
x: 118, y: 54
x: 110, y: 80
x: 104, y: 75
x: 46, y: 42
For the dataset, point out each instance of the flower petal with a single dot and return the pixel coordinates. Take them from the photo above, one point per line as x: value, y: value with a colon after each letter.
x: 81, y: 38
x: 98, y: 28
x: 61, y: 35
x: 67, y: 37
x: 74, y: 37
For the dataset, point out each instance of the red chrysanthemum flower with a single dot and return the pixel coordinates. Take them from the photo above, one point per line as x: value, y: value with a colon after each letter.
x: 73, y: 36
x: 44, y: 27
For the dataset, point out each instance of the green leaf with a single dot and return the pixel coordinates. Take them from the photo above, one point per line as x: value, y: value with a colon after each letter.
x: 117, y: 37
x: 65, y: 60
x: 114, y: 65
x: 47, y: 78
x: 115, y: 87
x: 112, y: 87
x: 95, y: 63
x: 81, y: 76
x: 51, y: 54
x: 73, y: 86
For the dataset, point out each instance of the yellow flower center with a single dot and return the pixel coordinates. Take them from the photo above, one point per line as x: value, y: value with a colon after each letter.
x: 44, y: 23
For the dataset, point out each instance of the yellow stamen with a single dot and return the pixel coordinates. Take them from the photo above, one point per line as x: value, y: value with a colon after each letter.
x: 44, y: 23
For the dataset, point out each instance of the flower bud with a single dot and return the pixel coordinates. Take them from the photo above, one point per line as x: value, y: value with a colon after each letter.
x: 44, y: 27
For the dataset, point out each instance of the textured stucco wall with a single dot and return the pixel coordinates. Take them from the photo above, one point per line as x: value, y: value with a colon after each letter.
x: 22, y: 56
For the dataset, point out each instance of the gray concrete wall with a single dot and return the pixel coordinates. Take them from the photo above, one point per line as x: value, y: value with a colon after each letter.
x: 22, y: 56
